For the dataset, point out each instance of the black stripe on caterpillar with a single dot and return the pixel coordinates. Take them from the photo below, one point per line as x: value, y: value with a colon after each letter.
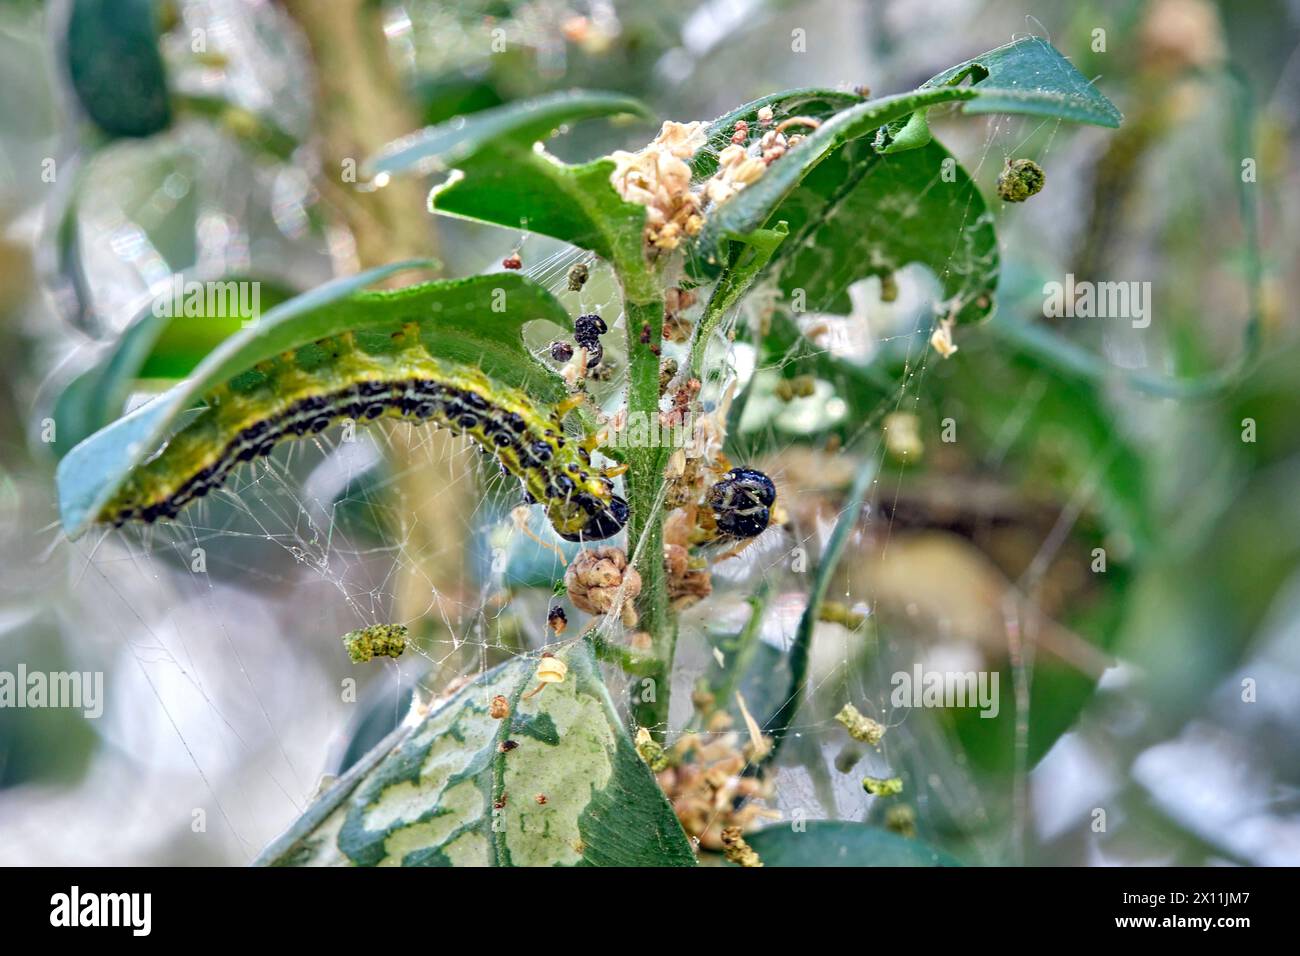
x: 302, y: 393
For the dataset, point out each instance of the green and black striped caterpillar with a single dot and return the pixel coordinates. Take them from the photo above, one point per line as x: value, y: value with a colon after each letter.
x: 303, y: 393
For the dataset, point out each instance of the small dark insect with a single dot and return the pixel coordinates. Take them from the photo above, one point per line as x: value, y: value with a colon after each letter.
x: 742, y: 503
x: 595, y: 355
x: 512, y: 261
x: 556, y: 619
x: 645, y: 334
x: 578, y: 276
x: 587, y: 329
x: 500, y: 804
x: 561, y: 351
x: 508, y: 745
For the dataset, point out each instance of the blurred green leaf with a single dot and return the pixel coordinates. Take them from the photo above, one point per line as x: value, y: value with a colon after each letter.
x: 115, y: 65
x: 153, y: 347
x: 842, y: 843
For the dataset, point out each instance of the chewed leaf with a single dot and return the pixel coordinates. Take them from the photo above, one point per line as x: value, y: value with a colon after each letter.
x: 1030, y: 76
x: 459, y: 321
x: 873, y: 214
x: 501, y: 179
x: 552, y: 779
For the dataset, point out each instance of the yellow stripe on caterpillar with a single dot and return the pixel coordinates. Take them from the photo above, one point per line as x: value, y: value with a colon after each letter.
x: 302, y: 393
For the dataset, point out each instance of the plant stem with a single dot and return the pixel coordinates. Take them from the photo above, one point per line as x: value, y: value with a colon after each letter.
x: 644, y: 306
x: 778, y: 725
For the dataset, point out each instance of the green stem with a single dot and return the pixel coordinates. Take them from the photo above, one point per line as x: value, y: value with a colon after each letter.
x: 757, y: 248
x: 779, y: 723
x: 740, y: 655
x: 644, y: 307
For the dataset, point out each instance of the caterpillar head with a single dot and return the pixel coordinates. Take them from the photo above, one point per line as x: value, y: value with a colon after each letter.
x: 742, y: 503
x: 592, y: 519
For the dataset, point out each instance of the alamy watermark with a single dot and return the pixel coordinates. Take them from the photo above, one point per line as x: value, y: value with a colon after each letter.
x: 75, y: 690
x: 192, y: 299
x: 1098, y: 300
x: 922, y: 688
x: 133, y: 911
x: 657, y: 430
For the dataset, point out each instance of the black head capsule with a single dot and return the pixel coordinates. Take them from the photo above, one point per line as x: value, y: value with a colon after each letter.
x: 742, y: 503
x: 603, y: 522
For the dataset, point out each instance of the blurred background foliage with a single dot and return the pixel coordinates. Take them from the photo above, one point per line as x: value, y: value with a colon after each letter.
x: 129, y: 155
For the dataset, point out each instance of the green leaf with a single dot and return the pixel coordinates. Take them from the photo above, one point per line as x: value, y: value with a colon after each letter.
x: 458, y: 322
x: 778, y: 724
x: 756, y: 205
x: 1028, y: 76
x: 430, y: 794
x: 153, y: 346
x: 503, y: 180
x: 115, y: 66
x: 842, y: 843
x: 862, y: 215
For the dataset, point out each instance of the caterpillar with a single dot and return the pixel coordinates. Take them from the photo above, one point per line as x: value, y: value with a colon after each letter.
x: 304, y: 392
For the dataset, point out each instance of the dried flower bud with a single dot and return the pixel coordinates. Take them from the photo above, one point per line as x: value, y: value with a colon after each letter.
x: 599, y: 581
x: 941, y: 339
x: 667, y: 371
